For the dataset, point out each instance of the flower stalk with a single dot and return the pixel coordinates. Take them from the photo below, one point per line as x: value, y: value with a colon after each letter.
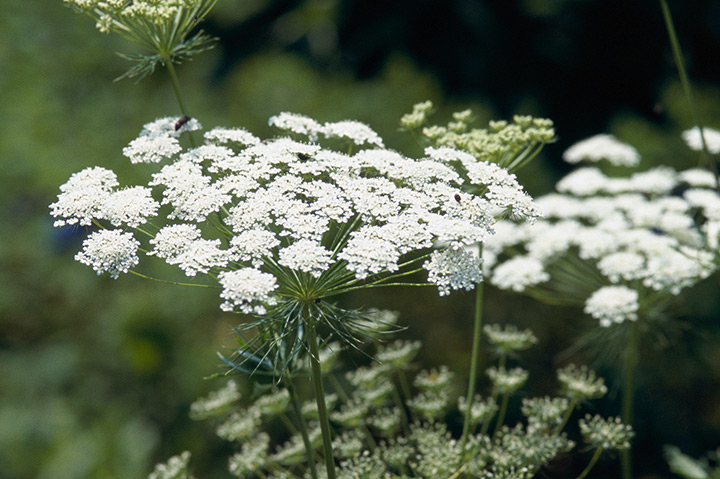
x: 317, y: 379
x: 474, y: 360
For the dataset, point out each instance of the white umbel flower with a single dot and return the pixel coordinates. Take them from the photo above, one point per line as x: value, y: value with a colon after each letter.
x: 82, y: 197
x: 359, y: 133
x: 307, y: 256
x: 602, y: 147
x: 453, y: 269
x: 152, y: 149
x: 693, y: 140
x: 519, y: 273
x: 110, y: 251
x: 247, y: 290
x: 296, y: 123
x: 613, y: 305
x: 131, y: 206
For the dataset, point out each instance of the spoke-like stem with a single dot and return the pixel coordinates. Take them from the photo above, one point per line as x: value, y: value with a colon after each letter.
x: 317, y: 379
x: 596, y: 456
x: 144, y: 276
x: 474, y: 362
x: 687, y: 87
x: 628, y: 395
x: 309, y: 450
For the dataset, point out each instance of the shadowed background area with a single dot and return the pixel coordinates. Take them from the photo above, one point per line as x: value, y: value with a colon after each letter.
x: 96, y: 375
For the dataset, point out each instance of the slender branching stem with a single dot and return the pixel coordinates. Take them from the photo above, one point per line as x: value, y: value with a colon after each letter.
x: 474, y: 362
x: 317, y: 379
x: 687, y: 87
x: 309, y: 450
x: 566, y: 417
x: 591, y: 464
x: 628, y: 395
x: 501, y: 413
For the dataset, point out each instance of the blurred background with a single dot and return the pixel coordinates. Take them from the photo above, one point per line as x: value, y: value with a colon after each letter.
x: 96, y: 375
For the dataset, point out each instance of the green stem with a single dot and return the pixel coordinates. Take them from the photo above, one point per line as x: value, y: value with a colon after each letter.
x: 684, y: 79
x: 628, y: 395
x: 474, y: 362
x: 566, y: 417
x: 309, y: 449
x: 178, y: 94
x: 501, y: 413
x: 596, y: 456
x: 317, y: 379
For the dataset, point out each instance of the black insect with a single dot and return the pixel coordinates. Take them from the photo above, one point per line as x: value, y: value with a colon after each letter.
x: 181, y: 121
x: 457, y: 197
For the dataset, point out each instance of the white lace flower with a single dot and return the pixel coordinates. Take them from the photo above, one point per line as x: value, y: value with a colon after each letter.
x: 152, y: 149
x: 453, y: 269
x: 131, y: 206
x: 248, y: 290
x: 307, y: 256
x: 82, y: 197
x: 298, y: 124
x: 519, y: 273
x: 173, y: 240
x: 693, y: 140
x: 110, y: 251
x: 368, y: 254
x: 613, y: 304
x: 358, y: 133
x: 169, y: 126
x: 583, y: 182
x: 200, y: 256
x: 188, y: 191
x: 253, y: 244
x: 622, y: 266
x: 238, y: 136
x: 602, y: 147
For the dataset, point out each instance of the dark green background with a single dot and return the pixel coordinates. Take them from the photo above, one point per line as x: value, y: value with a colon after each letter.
x: 96, y: 375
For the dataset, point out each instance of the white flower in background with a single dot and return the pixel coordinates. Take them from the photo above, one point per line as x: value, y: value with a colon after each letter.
x: 634, y: 232
x: 519, y: 273
x: 110, y: 251
x: 613, y: 305
x: 602, y: 147
x: 693, y: 140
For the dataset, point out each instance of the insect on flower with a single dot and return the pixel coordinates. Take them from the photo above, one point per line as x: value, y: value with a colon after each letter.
x: 181, y: 121
x: 457, y: 197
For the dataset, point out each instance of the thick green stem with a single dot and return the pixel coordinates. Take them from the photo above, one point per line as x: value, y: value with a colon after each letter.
x: 628, y: 395
x: 317, y: 379
x: 596, y: 456
x: 309, y: 449
x: 685, y: 80
x: 474, y: 362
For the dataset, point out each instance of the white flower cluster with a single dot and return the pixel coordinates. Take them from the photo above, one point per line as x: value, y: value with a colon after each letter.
x: 694, y: 141
x: 269, y: 218
x: 602, y: 147
x: 624, y: 238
